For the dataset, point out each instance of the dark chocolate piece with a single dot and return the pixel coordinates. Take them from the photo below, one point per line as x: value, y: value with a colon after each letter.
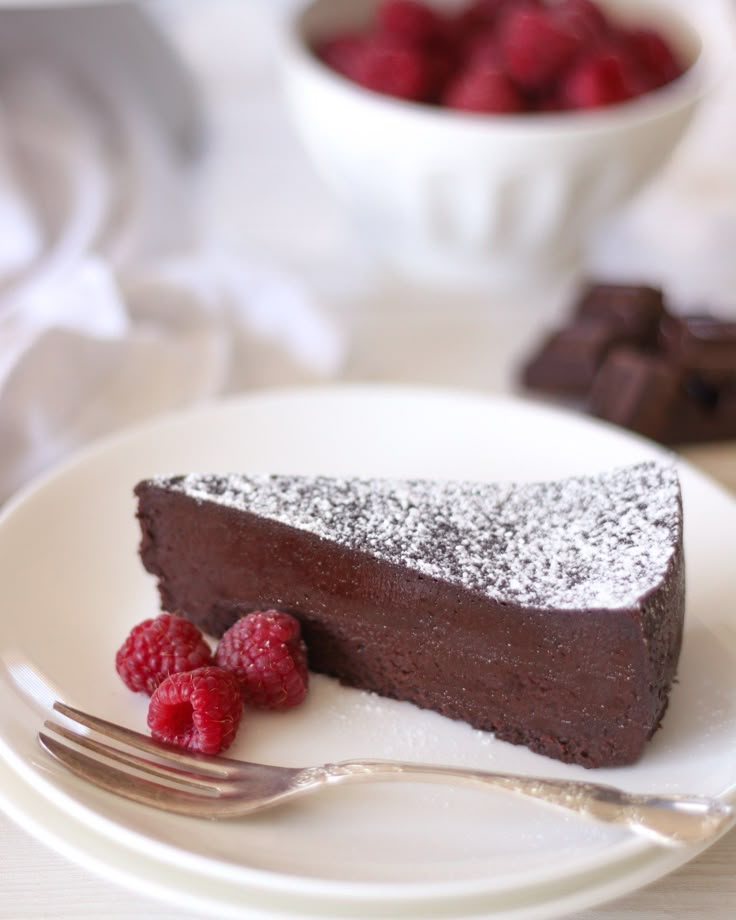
x: 702, y: 344
x: 671, y: 378
x: 708, y: 413
x: 638, y: 390
x: 550, y: 614
x: 705, y: 349
x: 569, y: 360
x: 633, y: 311
x: 605, y: 316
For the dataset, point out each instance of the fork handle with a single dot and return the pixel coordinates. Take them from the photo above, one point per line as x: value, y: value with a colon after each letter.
x: 674, y: 819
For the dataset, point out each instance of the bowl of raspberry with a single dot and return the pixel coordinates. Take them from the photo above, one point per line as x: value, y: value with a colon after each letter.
x: 486, y: 140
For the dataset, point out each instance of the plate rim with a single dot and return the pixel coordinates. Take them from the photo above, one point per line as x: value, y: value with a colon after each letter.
x: 126, y: 872
x: 84, y: 453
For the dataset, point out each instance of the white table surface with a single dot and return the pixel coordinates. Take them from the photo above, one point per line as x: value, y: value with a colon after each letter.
x: 264, y: 198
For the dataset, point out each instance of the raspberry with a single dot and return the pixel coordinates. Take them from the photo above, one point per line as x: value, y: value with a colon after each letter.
x: 536, y: 46
x: 409, y: 19
x: 558, y: 54
x: 342, y: 53
x: 603, y: 79
x: 266, y: 652
x: 482, y: 52
x: 442, y: 64
x: 484, y: 91
x: 157, y: 648
x: 482, y: 13
x: 583, y: 17
x: 549, y: 105
x: 655, y: 56
x: 394, y: 67
x: 198, y: 710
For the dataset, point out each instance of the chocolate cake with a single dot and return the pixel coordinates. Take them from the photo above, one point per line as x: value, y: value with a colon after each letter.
x: 550, y: 614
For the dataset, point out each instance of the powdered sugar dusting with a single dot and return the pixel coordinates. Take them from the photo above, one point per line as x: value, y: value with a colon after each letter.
x: 596, y: 542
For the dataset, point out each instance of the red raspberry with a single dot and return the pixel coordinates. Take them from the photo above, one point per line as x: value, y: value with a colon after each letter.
x: 394, y: 67
x: 442, y: 64
x: 603, y: 79
x: 582, y: 16
x: 482, y: 13
x: 549, y: 105
x: 536, y: 46
x: 655, y: 56
x: 342, y: 54
x: 484, y: 91
x: 198, y: 710
x: 409, y: 19
x: 266, y: 652
x: 482, y: 52
x: 156, y: 648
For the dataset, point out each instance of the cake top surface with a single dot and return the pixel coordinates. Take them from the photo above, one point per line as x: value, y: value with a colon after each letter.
x: 590, y: 542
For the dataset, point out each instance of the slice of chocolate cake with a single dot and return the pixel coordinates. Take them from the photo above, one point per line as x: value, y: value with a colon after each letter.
x: 550, y: 614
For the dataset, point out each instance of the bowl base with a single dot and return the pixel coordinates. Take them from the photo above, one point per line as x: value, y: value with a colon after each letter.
x: 497, y: 271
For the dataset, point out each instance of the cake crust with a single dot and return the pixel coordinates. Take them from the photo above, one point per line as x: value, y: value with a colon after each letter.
x: 550, y: 614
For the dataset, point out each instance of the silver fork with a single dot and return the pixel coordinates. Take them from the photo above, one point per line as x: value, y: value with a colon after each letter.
x: 219, y: 787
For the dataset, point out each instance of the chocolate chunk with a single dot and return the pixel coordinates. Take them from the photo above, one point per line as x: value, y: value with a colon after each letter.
x: 633, y: 311
x: 672, y: 378
x: 569, y: 360
x: 706, y: 413
x: 705, y: 348
x: 702, y: 393
x: 638, y: 390
x: 702, y: 344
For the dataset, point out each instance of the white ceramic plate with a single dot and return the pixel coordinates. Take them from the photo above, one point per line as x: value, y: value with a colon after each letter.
x: 74, y: 587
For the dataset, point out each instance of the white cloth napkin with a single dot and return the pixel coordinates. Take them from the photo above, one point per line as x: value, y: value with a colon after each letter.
x: 111, y: 309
